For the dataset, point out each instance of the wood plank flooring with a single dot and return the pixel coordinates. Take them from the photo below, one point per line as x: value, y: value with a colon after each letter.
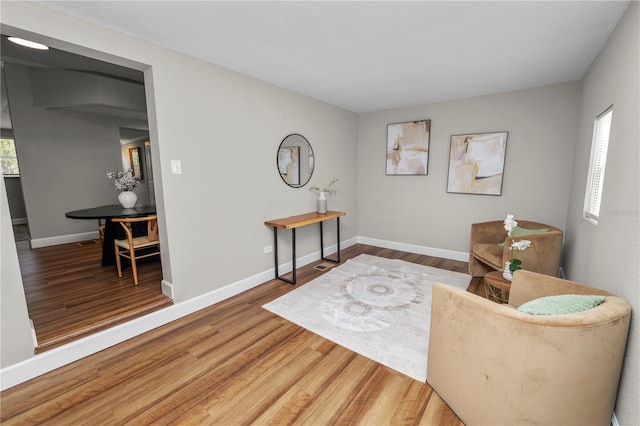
x: 233, y: 363
x: 71, y: 295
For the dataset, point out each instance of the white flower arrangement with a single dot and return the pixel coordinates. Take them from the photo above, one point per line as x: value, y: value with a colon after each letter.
x: 509, y: 226
x: 124, y: 181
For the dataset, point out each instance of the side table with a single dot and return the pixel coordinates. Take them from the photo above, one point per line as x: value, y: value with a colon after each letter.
x: 496, y: 287
x: 299, y: 221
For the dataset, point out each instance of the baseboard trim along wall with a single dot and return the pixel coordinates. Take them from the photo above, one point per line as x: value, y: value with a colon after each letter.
x: 55, y: 358
x: 167, y: 289
x: 412, y: 248
x: 64, y: 239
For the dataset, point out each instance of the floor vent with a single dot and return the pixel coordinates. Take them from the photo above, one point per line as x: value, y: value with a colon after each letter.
x: 87, y: 243
x: 323, y: 266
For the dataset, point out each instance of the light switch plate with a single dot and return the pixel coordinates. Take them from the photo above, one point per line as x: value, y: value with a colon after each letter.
x: 176, y: 167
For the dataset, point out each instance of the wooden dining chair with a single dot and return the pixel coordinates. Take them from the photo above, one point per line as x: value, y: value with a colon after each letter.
x: 101, y: 227
x: 134, y: 248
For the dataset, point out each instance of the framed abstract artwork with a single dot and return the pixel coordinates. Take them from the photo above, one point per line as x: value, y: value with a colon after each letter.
x: 408, y: 148
x: 476, y: 163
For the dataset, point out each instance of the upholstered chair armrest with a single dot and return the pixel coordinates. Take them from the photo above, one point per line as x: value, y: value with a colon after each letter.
x: 487, y: 233
x: 469, y: 364
x: 543, y: 256
x: 527, y: 286
x: 493, y: 364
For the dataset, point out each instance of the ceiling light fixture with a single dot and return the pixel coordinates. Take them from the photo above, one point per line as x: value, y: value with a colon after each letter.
x: 28, y: 43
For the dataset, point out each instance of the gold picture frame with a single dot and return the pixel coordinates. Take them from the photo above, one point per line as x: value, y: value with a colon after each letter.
x: 134, y: 161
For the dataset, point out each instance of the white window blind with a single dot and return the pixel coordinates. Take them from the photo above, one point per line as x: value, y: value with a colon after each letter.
x: 599, y: 146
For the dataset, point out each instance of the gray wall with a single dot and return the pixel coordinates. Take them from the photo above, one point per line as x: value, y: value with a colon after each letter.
x: 418, y: 210
x: 226, y: 129
x: 17, y: 344
x: 606, y: 255
x: 16, y: 199
x: 64, y: 156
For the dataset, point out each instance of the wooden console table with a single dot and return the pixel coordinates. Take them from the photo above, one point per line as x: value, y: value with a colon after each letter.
x: 299, y: 221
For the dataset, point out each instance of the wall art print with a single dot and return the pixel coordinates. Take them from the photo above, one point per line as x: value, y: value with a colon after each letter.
x: 476, y: 163
x: 289, y: 164
x: 408, y: 148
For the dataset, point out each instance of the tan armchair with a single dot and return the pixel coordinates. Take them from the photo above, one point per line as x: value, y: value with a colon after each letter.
x: 494, y: 365
x: 486, y: 254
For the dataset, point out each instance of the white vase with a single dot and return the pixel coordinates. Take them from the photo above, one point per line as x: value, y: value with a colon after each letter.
x: 128, y: 199
x: 507, y: 274
x: 322, y: 203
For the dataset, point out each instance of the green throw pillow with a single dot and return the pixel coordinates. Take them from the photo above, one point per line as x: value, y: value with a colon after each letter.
x: 518, y: 232
x: 561, y: 304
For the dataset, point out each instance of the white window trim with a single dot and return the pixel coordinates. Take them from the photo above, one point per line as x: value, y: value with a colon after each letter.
x: 597, y: 164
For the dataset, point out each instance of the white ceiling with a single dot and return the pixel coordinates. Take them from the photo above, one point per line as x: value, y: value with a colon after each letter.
x: 373, y: 55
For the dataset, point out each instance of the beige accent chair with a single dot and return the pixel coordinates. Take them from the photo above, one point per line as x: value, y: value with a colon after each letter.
x: 486, y: 254
x: 494, y: 365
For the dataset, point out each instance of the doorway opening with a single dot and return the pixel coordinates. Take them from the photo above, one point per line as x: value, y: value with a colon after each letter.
x: 67, y: 137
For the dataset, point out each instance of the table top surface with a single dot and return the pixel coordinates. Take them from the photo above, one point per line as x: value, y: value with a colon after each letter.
x: 112, y: 211
x: 303, y: 219
x: 496, y: 279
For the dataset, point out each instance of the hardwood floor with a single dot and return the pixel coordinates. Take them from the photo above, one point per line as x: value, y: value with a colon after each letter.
x: 70, y: 295
x: 233, y: 363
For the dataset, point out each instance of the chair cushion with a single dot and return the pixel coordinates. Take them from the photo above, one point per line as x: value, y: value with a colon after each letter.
x: 561, y: 304
x: 518, y: 231
x: 491, y: 254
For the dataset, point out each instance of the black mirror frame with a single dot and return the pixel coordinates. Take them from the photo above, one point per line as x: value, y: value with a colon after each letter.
x: 309, y: 167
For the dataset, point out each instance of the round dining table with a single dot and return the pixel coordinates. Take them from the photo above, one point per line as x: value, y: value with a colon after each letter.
x: 111, y: 230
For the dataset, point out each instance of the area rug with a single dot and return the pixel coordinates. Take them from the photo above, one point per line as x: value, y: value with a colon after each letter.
x: 377, y: 307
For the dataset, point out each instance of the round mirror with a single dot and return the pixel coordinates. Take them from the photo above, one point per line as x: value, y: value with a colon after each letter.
x: 295, y: 160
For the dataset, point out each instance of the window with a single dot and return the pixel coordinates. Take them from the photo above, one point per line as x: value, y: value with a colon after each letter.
x: 8, y: 157
x: 599, y: 145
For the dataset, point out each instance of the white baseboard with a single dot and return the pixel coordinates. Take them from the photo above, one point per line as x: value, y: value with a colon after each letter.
x: 412, y: 248
x: 50, y: 360
x: 64, y: 239
x: 167, y: 289
x: 34, y: 337
x: 614, y: 420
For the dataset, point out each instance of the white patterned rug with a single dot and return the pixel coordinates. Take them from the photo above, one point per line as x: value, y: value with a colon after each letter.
x: 377, y: 307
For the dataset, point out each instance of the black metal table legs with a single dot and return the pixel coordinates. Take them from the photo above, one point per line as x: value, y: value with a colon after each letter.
x: 293, y: 249
x: 275, y: 255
